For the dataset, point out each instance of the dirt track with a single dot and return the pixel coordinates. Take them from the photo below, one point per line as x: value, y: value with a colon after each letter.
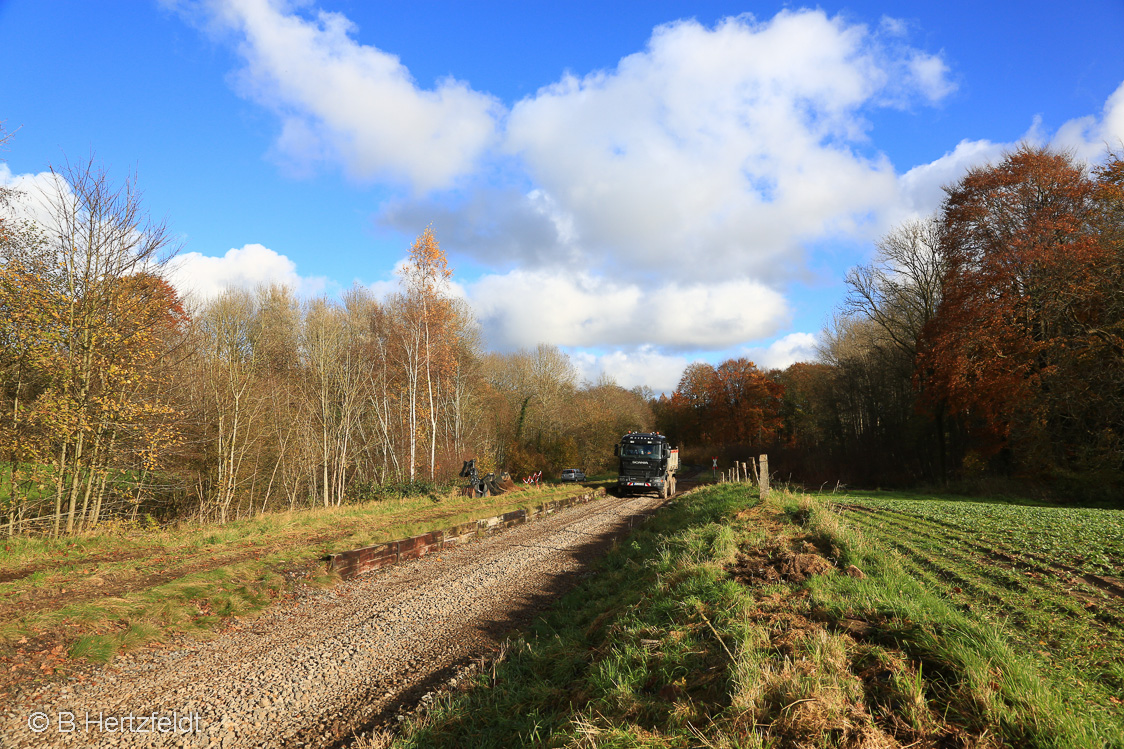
x: 314, y: 672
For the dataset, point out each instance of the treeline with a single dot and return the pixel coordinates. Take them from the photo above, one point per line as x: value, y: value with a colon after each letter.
x: 118, y: 399
x: 984, y: 344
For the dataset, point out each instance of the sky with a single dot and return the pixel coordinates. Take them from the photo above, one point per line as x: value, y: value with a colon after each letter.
x: 644, y: 184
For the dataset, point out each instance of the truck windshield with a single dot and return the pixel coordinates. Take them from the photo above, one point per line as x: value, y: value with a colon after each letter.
x: 640, y: 451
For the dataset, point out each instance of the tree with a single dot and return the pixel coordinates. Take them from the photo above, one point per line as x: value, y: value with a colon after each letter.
x: 1024, y: 346
x: 425, y: 310
x: 733, y: 404
x: 900, y: 291
x: 747, y: 404
x: 94, y: 320
x: 227, y: 362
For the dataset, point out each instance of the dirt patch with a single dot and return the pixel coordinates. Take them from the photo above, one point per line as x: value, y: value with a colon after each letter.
x: 779, y: 564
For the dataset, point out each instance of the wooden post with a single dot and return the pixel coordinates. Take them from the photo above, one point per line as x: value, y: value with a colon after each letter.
x: 756, y: 476
x: 763, y: 477
x: 745, y: 473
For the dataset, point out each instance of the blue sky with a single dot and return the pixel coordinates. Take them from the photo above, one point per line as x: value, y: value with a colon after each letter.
x: 644, y: 184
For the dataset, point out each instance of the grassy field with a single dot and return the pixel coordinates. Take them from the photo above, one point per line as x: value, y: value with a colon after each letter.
x: 65, y: 601
x: 834, y: 621
x: 1049, y: 578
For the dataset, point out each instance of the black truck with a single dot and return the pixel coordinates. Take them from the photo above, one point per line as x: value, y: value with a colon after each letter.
x: 647, y: 463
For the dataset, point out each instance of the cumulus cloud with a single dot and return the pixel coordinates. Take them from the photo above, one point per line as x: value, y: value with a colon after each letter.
x: 921, y: 188
x: 789, y: 349
x: 930, y: 74
x: 497, y: 226
x: 352, y: 103
x: 202, y: 277
x: 647, y: 365
x: 1088, y: 137
x: 34, y: 194
x: 525, y: 307
x: 644, y: 366
x: 737, y: 143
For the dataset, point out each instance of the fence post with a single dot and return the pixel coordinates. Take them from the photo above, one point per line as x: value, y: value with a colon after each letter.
x: 763, y: 477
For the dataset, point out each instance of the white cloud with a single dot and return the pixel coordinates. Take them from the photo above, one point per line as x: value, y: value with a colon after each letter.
x: 737, y: 143
x: 1088, y: 137
x: 524, y: 308
x: 734, y: 145
x: 931, y: 75
x: 629, y: 369
x: 352, y: 103
x: 494, y: 225
x: 201, y: 277
x: 35, y: 194
x: 792, y: 348
x: 646, y: 365
x: 921, y: 188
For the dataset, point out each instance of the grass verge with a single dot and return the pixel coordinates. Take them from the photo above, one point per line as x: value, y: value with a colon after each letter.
x: 725, y: 622
x: 92, y: 597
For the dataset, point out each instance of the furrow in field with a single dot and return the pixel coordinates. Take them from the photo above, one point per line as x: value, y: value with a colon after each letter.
x: 998, y: 551
x: 998, y: 576
x: 1042, y: 618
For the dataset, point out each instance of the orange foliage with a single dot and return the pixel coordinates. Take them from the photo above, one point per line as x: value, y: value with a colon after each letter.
x: 1027, y: 322
x: 734, y: 403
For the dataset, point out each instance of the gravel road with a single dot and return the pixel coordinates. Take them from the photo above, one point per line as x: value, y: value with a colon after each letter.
x: 312, y: 672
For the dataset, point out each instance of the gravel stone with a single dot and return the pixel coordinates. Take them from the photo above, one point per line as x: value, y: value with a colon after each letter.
x: 333, y: 663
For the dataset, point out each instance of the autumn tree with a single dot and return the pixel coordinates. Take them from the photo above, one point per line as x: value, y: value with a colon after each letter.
x: 227, y: 365
x: 425, y: 308
x: 734, y: 404
x: 1026, y: 344
x: 530, y: 394
x: 900, y: 292
x: 600, y: 413
x: 26, y: 355
x: 94, y: 320
x: 747, y: 403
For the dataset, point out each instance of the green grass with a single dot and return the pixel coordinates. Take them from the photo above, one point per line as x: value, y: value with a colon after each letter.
x: 1091, y: 539
x: 675, y: 643
x: 602, y: 658
x: 1021, y: 572
x: 102, y: 593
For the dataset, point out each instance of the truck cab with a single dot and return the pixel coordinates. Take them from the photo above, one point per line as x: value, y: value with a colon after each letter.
x: 647, y: 463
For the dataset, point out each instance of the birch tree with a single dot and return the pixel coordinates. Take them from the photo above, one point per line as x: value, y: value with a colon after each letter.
x: 100, y: 323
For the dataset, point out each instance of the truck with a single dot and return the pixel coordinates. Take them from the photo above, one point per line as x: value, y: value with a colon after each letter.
x: 647, y: 463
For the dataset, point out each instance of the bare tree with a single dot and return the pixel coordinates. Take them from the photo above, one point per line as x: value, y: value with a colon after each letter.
x: 99, y: 238
x: 901, y: 289
x: 228, y: 365
x: 900, y: 293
